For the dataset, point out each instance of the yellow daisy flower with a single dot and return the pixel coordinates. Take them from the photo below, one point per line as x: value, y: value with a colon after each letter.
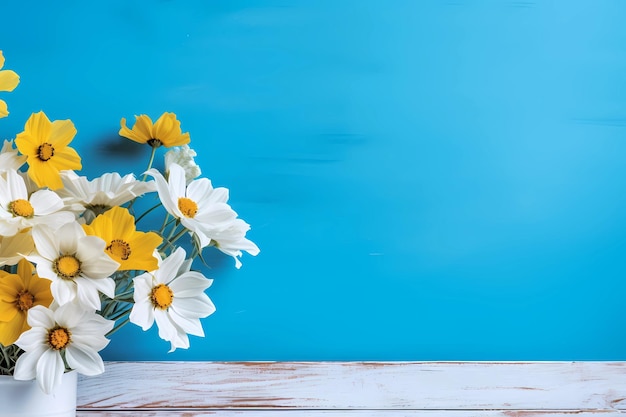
x: 8, y: 81
x: 165, y: 131
x: 18, y: 293
x: 45, y: 145
x: 132, y: 249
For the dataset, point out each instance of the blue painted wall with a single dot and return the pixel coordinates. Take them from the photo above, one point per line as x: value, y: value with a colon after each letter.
x: 425, y: 179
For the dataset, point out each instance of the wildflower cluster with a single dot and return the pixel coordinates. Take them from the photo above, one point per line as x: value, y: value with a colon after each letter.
x: 75, y: 265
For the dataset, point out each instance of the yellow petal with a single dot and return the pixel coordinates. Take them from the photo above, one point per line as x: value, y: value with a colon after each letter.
x: 41, y: 291
x: 38, y: 126
x: 66, y: 158
x: 123, y: 222
x: 11, y: 331
x: 1, y: 59
x: 7, y: 311
x: 27, y: 144
x: 143, y: 126
x: 167, y: 130
x: 44, y: 174
x: 102, y: 227
x: 164, y: 125
x: 10, y: 285
x: 62, y: 133
x: 141, y: 132
x: 25, y: 272
x: 142, y: 252
x: 8, y: 80
x: 4, y: 112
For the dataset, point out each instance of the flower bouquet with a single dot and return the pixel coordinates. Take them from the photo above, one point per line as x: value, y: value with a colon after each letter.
x: 77, y: 257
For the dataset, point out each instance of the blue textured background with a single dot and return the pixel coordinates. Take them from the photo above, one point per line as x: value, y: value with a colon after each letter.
x: 425, y: 179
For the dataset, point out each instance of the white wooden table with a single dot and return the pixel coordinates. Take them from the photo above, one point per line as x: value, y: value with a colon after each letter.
x: 359, y: 389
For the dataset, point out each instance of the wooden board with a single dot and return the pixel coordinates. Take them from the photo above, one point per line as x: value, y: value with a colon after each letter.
x: 329, y: 389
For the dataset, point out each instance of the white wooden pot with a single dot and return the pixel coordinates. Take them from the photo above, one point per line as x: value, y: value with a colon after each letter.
x: 26, y: 399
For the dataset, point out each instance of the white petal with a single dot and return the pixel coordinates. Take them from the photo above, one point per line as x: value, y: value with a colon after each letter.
x: 216, y: 216
x: 170, y: 266
x: 142, y: 287
x: 176, y: 181
x: 106, y: 286
x: 90, y: 247
x: 219, y: 195
x: 40, y: 316
x: 164, y: 195
x: 46, y: 242
x: 45, y: 202
x: 196, y: 228
x: 200, y: 190
x: 101, y: 267
x: 199, y: 306
x: 169, y: 331
x: 63, y: 291
x: 69, y: 235
x: 93, y: 324
x: 84, y: 360
x: 17, y: 188
x: 142, y: 315
x: 33, y: 339
x: 95, y: 342
x: 44, y: 267
x: 54, y: 220
x: 185, y: 267
x: 26, y: 365
x: 50, y: 370
x: 250, y: 247
x: 70, y: 315
x: 190, y: 284
x: 87, y: 293
x: 189, y: 325
x: 10, y: 227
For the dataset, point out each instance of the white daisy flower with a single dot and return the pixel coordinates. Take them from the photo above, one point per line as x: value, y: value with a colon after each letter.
x: 183, y: 156
x: 232, y: 241
x: 76, y: 264
x: 18, y: 210
x: 102, y: 193
x: 69, y: 333
x: 201, y: 208
x: 174, y: 297
x: 9, y: 158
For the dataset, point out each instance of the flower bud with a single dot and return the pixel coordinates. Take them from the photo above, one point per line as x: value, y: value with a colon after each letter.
x: 183, y: 156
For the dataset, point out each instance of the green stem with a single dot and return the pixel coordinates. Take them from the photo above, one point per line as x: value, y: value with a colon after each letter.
x: 118, y: 326
x: 120, y: 296
x: 178, y: 236
x: 150, y: 163
x: 146, y: 212
x: 174, y: 228
x: 120, y: 314
x: 165, y: 223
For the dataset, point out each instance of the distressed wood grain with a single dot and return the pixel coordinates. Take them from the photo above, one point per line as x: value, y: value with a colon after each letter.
x: 397, y: 388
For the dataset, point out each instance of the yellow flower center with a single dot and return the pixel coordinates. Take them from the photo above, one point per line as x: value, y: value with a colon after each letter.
x: 119, y: 249
x: 187, y: 206
x: 24, y: 300
x: 161, y: 297
x: 21, y: 208
x: 45, y: 151
x: 59, y: 338
x: 66, y: 266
